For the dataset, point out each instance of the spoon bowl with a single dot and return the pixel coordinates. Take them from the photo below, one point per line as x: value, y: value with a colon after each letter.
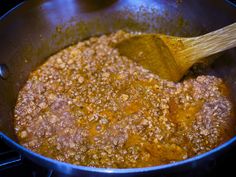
x: 171, y: 57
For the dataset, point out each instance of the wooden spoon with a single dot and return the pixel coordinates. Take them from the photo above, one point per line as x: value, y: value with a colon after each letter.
x: 170, y: 57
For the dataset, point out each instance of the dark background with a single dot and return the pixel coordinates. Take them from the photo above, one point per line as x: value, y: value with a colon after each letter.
x: 233, y: 2
x: 6, y: 5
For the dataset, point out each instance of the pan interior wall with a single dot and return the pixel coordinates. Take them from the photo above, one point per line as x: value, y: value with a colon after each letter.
x: 38, y: 29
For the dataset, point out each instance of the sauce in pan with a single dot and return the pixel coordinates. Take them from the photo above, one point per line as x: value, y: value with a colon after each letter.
x: 89, y: 106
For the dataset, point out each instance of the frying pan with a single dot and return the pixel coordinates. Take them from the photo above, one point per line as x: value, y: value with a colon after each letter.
x: 36, y: 29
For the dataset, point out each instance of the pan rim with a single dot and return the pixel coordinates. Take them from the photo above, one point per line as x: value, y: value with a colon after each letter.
x: 67, y: 167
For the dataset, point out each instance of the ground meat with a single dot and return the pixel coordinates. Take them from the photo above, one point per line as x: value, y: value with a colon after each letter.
x: 88, y: 105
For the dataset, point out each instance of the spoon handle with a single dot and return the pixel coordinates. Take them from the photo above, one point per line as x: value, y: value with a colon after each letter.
x: 211, y: 43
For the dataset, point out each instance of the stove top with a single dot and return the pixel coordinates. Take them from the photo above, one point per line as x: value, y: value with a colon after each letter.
x: 14, y: 164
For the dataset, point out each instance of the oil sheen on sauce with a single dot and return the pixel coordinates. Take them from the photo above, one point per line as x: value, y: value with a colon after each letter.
x: 89, y: 106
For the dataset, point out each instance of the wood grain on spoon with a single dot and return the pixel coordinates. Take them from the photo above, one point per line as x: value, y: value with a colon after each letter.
x: 170, y: 57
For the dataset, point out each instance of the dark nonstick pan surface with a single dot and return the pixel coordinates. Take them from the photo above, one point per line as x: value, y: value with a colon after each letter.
x: 39, y: 28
